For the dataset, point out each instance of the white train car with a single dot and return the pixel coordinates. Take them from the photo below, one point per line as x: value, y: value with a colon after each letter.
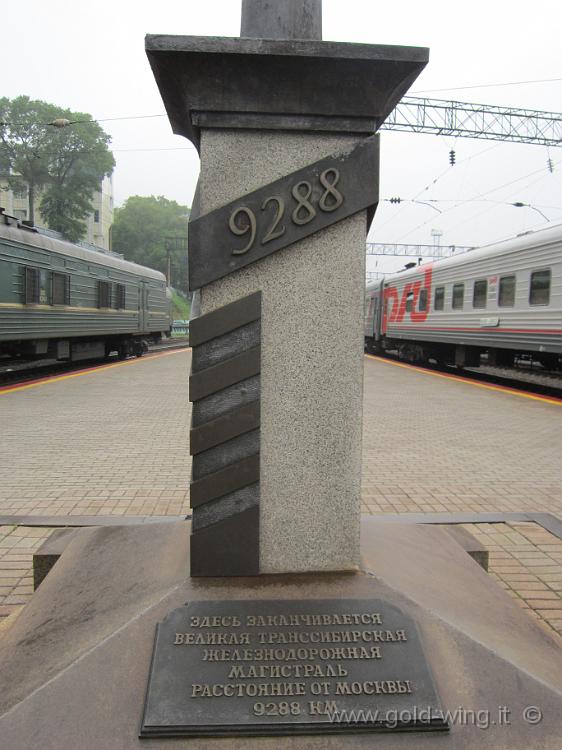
x: 504, y: 298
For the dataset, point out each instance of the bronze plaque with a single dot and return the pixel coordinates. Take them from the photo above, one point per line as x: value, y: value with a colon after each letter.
x: 283, y: 212
x: 223, y: 668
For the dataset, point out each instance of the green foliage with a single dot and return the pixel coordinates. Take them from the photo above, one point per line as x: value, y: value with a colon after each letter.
x: 181, y: 308
x: 140, y: 229
x: 24, y: 140
x: 65, y: 210
x: 66, y: 164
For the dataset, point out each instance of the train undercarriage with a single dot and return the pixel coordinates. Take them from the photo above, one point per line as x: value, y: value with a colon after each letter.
x: 77, y: 349
x: 460, y: 355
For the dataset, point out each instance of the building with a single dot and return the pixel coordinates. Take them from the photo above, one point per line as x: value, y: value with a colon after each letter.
x: 98, y: 222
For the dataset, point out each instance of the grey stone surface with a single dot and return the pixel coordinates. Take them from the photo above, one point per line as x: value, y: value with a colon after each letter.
x: 75, y: 663
x: 470, y: 544
x: 312, y: 357
x: 290, y: 19
x: 289, y: 83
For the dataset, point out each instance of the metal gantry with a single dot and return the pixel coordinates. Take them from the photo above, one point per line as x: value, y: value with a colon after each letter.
x: 442, y: 117
x: 415, y: 251
x: 374, y: 276
x: 409, y: 251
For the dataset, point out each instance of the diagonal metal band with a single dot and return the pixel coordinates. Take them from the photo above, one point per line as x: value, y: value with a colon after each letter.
x: 224, y: 320
x: 223, y: 401
x: 227, y: 548
x: 241, y: 232
x: 230, y: 425
x: 224, y: 440
x: 223, y: 455
x: 232, y: 371
x: 234, y: 477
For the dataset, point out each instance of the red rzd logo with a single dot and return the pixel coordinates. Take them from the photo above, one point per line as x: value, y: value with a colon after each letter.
x: 395, y: 306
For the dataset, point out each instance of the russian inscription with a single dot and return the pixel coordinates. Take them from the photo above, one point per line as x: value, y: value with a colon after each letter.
x: 288, y: 667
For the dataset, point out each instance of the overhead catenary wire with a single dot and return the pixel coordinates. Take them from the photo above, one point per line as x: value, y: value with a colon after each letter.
x: 486, y: 86
x: 435, y: 181
x: 475, y: 199
x: 489, y: 208
x: 189, y: 147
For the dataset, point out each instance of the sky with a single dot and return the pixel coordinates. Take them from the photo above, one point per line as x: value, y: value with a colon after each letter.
x: 90, y: 57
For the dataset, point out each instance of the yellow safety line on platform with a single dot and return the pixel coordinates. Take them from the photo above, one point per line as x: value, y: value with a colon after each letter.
x: 91, y: 371
x: 488, y: 386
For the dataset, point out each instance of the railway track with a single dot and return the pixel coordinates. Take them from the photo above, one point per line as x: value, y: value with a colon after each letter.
x: 540, y: 382
x: 14, y: 372
x: 175, y: 343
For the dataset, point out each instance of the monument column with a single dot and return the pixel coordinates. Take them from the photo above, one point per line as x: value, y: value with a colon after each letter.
x: 288, y: 186
x: 289, y: 19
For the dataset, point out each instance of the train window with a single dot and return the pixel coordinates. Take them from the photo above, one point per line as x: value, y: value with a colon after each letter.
x: 539, y: 293
x: 61, y: 289
x: 32, y: 286
x: 506, y: 296
x: 409, y: 301
x: 439, y: 299
x: 104, y: 294
x: 119, y: 302
x: 422, y: 304
x: 480, y: 293
x: 458, y: 296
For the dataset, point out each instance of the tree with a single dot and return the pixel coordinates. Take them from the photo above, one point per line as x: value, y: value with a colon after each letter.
x: 25, y: 139
x: 65, y: 165
x: 140, y: 229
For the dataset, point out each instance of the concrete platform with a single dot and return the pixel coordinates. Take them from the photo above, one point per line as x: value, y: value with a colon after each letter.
x: 75, y: 663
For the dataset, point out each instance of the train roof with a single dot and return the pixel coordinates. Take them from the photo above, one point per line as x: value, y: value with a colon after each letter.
x: 525, y: 241
x: 26, y: 236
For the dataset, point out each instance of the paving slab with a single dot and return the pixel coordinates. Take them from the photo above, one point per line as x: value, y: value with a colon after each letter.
x: 115, y: 443
x: 111, y: 441
x: 434, y: 444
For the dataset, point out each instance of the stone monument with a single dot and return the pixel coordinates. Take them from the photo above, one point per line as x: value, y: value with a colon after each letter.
x: 284, y: 124
x: 271, y: 614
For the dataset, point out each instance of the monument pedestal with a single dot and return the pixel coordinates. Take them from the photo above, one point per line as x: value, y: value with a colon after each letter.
x: 75, y: 664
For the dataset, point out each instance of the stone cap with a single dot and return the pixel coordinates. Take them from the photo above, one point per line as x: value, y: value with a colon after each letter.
x: 279, y: 84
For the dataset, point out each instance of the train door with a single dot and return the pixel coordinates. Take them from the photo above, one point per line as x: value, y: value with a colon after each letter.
x: 379, y: 311
x: 143, y: 306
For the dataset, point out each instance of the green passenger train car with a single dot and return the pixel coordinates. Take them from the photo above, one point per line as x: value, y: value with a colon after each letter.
x: 64, y: 301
